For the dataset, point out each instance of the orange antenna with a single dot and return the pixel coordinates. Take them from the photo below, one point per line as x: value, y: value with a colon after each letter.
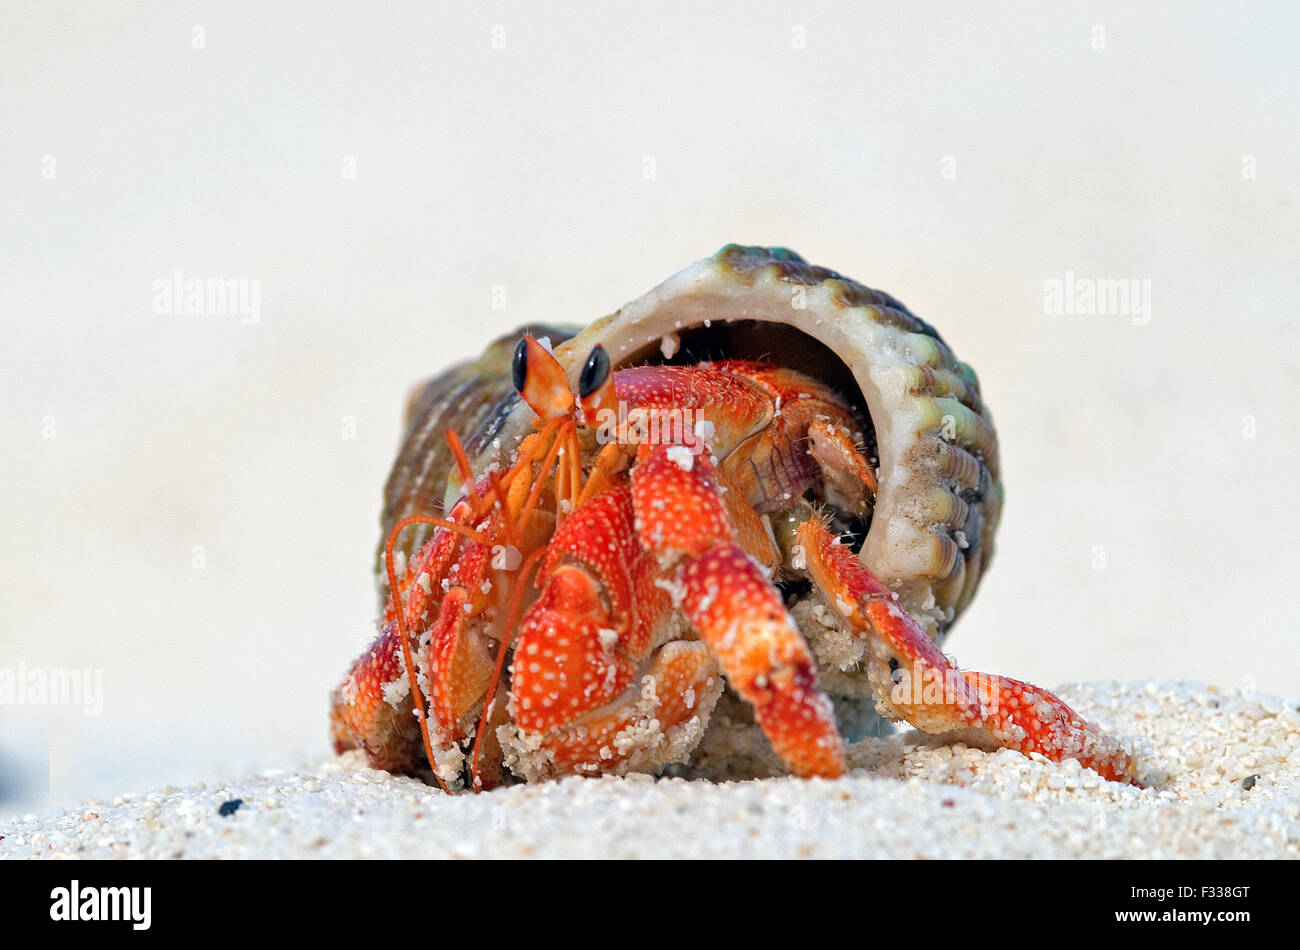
x: 437, y: 523
x: 562, y: 475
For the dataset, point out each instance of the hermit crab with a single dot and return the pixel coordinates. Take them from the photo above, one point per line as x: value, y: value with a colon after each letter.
x: 761, y: 488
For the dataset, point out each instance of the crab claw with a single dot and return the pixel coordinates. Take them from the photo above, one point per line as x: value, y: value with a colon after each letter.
x: 566, y: 661
x: 914, y: 681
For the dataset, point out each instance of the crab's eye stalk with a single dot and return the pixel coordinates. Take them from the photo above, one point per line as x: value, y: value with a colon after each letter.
x: 596, y: 386
x: 540, y: 379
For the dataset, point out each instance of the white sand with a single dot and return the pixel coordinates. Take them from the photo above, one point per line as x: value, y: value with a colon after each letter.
x: 908, y: 797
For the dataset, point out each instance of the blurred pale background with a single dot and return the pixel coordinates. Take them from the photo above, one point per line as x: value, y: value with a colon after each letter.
x: 382, y: 173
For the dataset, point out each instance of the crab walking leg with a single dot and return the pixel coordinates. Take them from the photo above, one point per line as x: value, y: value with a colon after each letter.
x: 1042, y: 723
x: 915, y: 681
x: 371, y: 709
x: 735, y: 609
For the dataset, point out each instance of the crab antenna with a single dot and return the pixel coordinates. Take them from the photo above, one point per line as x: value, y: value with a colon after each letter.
x: 568, y: 471
x: 561, y: 476
x: 540, y: 379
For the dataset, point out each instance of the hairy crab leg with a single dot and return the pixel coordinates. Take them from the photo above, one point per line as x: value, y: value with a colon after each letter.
x: 913, y: 680
x: 734, y: 607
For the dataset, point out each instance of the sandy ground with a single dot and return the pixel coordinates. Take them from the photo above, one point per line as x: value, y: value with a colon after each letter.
x: 1222, y: 768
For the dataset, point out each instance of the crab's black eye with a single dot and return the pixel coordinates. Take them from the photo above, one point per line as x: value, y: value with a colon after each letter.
x: 594, y: 372
x: 519, y: 364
